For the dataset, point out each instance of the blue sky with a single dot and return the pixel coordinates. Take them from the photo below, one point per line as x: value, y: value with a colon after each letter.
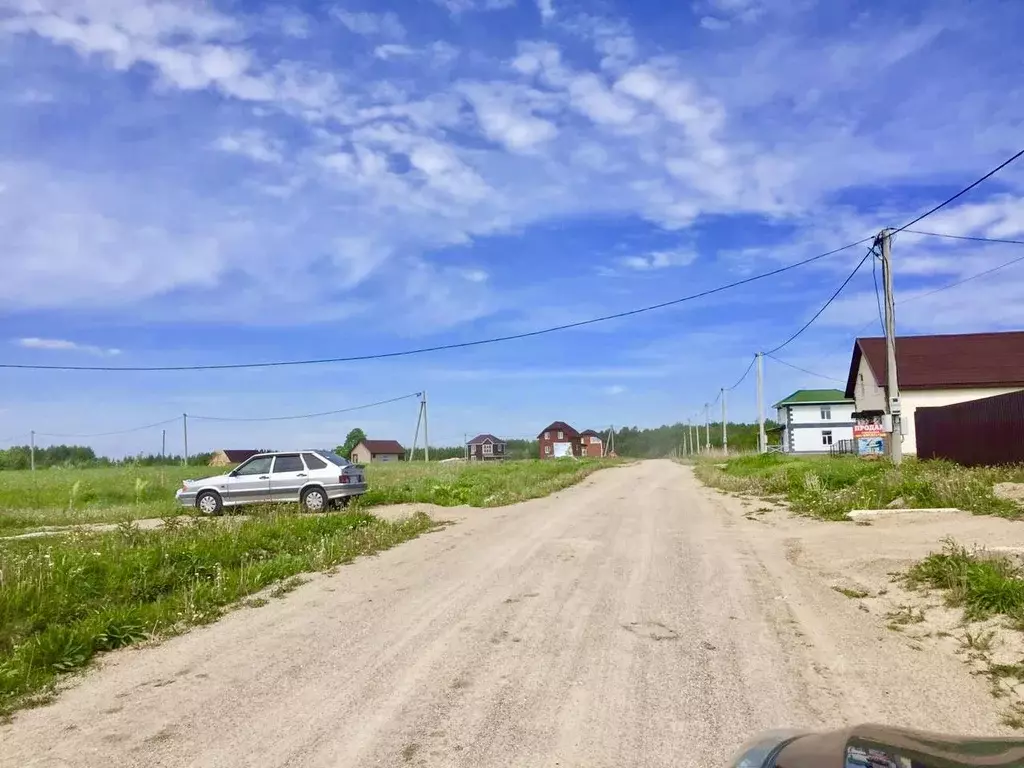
x: 228, y: 182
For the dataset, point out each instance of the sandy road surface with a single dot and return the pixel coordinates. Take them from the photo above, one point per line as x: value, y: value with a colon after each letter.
x: 635, y: 620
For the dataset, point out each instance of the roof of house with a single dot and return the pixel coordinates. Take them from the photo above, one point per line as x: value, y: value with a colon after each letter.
x: 947, y: 361
x: 236, y: 456
x: 382, y: 446
x: 485, y: 437
x: 559, y: 425
x: 813, y: 397
x: 590, y: 433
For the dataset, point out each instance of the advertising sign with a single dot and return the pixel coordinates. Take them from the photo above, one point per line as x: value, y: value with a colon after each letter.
x: 870, y: 436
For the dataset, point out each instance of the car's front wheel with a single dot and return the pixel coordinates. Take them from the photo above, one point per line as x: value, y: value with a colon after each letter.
x: 314, y: 500
x: 209, y: 503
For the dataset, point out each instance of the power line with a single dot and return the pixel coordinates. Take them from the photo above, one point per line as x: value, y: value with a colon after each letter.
x: 954, y: 284
x: 109, y: 434
x: 825, y: 306
x: 803, y: 370
x: 442, y: 347
x: 964, y: 280
x: 308, y: 415
x: 745, y: 374
x: 965, y: 237
x: 962, y: 192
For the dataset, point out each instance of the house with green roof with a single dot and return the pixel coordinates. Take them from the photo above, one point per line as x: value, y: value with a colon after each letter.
x: 813, y: 420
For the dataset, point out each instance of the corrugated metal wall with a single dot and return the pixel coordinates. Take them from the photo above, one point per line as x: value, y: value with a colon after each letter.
x: 982, y: 432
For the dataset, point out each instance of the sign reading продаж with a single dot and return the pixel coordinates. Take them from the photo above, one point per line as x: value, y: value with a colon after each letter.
x: 870, y: 436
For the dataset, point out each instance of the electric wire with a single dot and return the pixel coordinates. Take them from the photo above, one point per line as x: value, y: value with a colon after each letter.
x: 825, y: 306
x: 442, y: 347
x: 803, y: 370
x: 965, y: 237
x: 110, y: 434
x: 307, y: 415
x: 961, y: 193
x: 744, y: 376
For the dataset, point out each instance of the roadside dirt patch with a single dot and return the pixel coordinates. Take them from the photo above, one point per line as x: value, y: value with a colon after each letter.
x: 1011, y: 492
x: 864, y: 563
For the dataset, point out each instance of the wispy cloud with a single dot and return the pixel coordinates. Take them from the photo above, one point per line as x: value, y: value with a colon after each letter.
x: 371, y: 24
x: 64, y: 345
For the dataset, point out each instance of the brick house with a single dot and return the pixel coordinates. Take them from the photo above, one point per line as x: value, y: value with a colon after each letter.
x: 559, y: 440
x: 592, y: 443
x: 485, y: 447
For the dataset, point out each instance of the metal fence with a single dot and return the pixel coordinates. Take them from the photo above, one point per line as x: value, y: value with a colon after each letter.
x: 842, y: 447
x: 982, y: 432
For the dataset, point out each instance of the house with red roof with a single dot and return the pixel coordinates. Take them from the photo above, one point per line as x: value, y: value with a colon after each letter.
x: 377, y: 450
x: 934, y: 371
x: 559, y: 440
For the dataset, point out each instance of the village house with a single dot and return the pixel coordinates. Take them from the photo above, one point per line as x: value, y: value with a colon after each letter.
x: 592, y: 443
x: 367, y: 451
x: 559, y: 440
x: 485, y: 447
x: 813, y: 420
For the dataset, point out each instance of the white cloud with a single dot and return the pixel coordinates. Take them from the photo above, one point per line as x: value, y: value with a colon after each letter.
x: 713, y: 23
x: 475, y: 275
x: 743, y: 11
x: 456, y: 7
x: 506, y: 116
x: 659, y: 260
x: 547, y: 9
x: 393, y: 50
x: 371, y: 24
x: 614, y: 389
x: 254, y: 144
x: 63, y: 345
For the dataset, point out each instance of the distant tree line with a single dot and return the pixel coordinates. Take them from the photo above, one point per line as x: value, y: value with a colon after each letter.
x: 81, y: 456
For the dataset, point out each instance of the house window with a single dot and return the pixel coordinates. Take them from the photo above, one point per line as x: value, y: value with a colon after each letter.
x: 488, y: 449
x: 547, y: 435
x: 826, y: 412
x: 561, y: 436
x: 547, y: 450
x: 826, y: 437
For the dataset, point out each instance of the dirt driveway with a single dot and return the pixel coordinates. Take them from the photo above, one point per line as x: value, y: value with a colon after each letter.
x: 637, y: 619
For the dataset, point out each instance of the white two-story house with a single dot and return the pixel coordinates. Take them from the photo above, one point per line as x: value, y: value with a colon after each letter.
x: 813, y: 420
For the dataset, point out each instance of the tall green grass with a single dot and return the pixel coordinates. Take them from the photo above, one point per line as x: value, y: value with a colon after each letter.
x: 69, y: 496
x: 829, y: 488
x: 63, y: 600
x: 983, y: 585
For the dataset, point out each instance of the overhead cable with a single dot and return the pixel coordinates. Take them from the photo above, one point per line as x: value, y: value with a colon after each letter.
x: 825, y: 306
x: 307, y: 415
x: 442, y: 347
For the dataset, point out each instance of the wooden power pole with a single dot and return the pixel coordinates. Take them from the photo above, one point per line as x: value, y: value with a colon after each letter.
x: 892, y: 387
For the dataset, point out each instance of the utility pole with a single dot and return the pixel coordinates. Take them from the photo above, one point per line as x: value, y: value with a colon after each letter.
x: 465, y: 449
x: 892, y: 386
x: 163, y: 443
x: 184, y: 427
x: 725, y: 431
x: 426, y: 435
x: 707, y: 427
x: 762, y: 441
x: 686, y: 440
x: 32, y: 450
x: 694, y: 439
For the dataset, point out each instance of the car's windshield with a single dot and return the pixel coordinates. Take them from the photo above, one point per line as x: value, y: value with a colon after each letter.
x: 334, y: 458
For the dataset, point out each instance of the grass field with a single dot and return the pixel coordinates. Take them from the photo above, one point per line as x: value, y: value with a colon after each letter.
x: 68, y: 496
x: 829, y: 487
x: 65, y: 599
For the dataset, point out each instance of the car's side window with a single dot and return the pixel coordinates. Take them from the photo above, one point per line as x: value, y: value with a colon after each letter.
x: 313, y: 462
x: 289, y: 462
x: 258, y: 466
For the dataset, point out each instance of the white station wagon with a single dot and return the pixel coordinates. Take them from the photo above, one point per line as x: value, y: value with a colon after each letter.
x: 315, y: 479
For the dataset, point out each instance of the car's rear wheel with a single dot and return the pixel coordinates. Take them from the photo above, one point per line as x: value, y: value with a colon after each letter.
x: 314, y: 500
x: 209, y: 503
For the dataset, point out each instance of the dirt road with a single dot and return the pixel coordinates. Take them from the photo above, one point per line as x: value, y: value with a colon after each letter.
x: 635, y: 620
